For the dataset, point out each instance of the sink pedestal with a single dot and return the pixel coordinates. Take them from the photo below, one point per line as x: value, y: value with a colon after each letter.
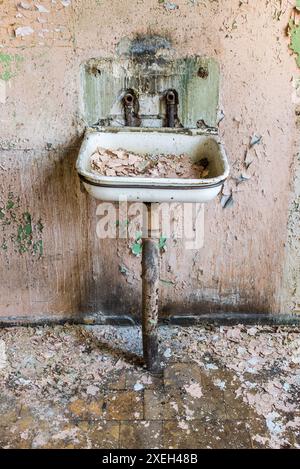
x: 150, y: 296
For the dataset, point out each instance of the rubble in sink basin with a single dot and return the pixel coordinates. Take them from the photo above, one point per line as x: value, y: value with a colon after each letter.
x: 123, y: 163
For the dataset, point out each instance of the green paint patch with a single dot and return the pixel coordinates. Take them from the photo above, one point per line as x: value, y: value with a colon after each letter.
x: 24, y: 235
x: 9, y: 65
x: 295, y: 39
x: 18, y: 227
x: 40, y: 226
x: 122, y: 224
x: 137, y: 247
x: 162, y: 243
x: 167, y: 282
x: 38, y: 247
x: 294, y: 33
x: 23, y: 240
x: 10, y: 204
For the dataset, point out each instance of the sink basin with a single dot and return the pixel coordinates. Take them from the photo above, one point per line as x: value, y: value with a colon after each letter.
x: 195, y: 143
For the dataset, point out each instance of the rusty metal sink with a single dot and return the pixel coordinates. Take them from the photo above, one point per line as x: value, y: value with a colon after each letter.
x: 193, y: 142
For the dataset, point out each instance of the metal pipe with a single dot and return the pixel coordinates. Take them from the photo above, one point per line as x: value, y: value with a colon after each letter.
x: 171, y: 108
x: 131, y: 108
x: 150, y: 277
x: 150, y: 295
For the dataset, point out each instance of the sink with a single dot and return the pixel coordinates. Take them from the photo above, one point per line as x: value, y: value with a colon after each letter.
x: 149, y: 103
x: 193, y: 142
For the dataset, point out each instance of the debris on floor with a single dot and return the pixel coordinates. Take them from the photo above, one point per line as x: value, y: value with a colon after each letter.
x: 124, y: 163
x: 85, y: 387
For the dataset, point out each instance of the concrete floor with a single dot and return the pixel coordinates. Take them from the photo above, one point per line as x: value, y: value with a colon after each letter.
x: 84, y: 387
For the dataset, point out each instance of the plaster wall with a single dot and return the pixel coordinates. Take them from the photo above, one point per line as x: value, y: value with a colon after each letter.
x: 52, y: 264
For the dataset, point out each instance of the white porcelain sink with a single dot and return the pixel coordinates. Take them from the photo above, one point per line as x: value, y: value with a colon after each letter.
x: 194, y: 143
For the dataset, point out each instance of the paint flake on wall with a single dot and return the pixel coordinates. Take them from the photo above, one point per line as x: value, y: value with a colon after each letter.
x: 24, y: 31
x: 23, y: 23
x: 41, y: 8
x: 2, y: 91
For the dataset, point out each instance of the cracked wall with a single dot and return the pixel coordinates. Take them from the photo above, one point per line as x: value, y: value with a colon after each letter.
x: 42, y: 47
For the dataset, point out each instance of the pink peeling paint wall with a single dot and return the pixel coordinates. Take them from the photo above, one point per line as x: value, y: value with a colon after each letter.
x: 52, y: 264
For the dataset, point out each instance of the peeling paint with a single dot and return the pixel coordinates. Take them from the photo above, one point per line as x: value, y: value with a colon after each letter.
x: 294, y: 32
x: 24, y: 31
x: 9, y: 65
x: 162, y: 243
x: 137, y: 246
x: 19, y: 232
x: 104, y: 79
x: 170, y: 6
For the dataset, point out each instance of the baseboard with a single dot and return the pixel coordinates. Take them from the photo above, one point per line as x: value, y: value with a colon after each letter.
x: 174, y: 320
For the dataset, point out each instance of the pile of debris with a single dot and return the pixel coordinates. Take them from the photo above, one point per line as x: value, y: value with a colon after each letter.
x: 124, y: 163
x: 239, y: 375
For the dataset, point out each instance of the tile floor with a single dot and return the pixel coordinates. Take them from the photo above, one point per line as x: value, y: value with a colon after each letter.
x: 85, y: 387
